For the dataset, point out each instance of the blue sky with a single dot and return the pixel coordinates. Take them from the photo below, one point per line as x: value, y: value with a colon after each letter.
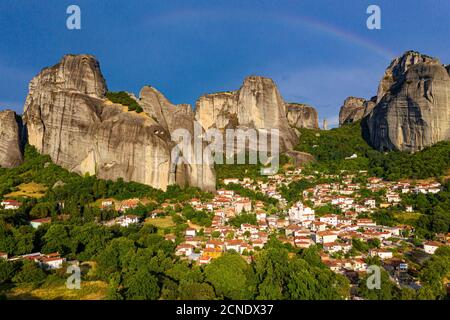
x: 318, y: 52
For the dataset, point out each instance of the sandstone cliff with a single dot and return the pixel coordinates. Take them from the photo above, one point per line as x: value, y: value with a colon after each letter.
x: 354, y: 109
x: 257, y: 104
x: 173, y: 117
x: 11, y: 139
x: 302, y: 116
x: 413, y: 109
x: 68, y: 118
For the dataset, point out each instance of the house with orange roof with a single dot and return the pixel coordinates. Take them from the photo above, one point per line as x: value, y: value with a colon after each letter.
x: 430, y: 247
x: 36, y: 223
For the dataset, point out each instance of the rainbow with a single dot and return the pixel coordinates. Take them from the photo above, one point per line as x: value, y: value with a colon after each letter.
x: 335, y: 32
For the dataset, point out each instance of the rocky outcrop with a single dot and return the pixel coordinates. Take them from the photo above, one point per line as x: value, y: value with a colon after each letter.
x: 299, y: 158
x: 413, y: 109
x: 302, y: 116
x: 68, y: 118
x: 354, y: 109
x: 173, y: 117
x: 257, y: 104
x: 11, y: 139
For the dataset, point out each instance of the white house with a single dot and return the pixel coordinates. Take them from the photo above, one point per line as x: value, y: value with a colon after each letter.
x: 230, y: 180
x: 393, y: 198
x: 190, y: 232
x: 331, y: 219
x: 51, y: 262
x: 324, y: 237
x: 38, y: 222
x: 125, y: 221
x: 299, y: 213
x: 10, y: 204
x: 370, y: 203
x: 241, y: 205
x: 431, y: 246
x: 382, y: 254
x: 184, y: 249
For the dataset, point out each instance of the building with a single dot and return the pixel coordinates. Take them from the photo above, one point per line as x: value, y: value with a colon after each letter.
x: 243, y: 205
x: 324, y: 237
x: 382, y: 254
x: 190, y: 232
x: 10, y: 204
x: 431, y: 246
x: 330, y: 219
x: 129, y: 204
x: 204, y: 259
x: 51, y: 261
x: 38, y: 222
x: 125, y: 221
x: 184, y: 249
x: 299, y: 213
x: 107, y: 204
x: 230, y: 180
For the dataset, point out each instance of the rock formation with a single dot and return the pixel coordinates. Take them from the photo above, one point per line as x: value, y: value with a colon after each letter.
x: 68, y: 118
x: 173, y: 117
x: 413, y: 109
x: 11, y: 139
x: 300, y: 158
x: 257, y: 104
x: 354, y: 109
x: 302, y: 116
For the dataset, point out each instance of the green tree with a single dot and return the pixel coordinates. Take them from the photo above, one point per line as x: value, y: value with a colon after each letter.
x: 231, y: 277
x: 142, y: 285
x: 30, y: 273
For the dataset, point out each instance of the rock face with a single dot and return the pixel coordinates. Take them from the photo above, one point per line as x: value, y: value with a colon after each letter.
x: 300, y: 158
x: 354, y: 109
x: 68, y: 118
x: 172, y: 117
x: 413, y: 109
x: 11, y: 139
x: 302, y: 116
x: 257, y: 104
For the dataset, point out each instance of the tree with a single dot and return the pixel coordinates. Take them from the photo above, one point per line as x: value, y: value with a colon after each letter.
x: 24, y: 237
x: 142, y: 285
x: 196, y: 291
x: 30, y: 273
x: 115, y: 256
x: 7, y: 270
x: 230, y: 276
x: 57, y: 239
x: 388, y: 289
x: 114, y: 292
x: 272, y: 270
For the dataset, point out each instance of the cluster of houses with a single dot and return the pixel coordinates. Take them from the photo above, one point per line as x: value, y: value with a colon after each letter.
x: 298, y: 224
x: 50, y: 261
x: 301, y: 227
x: 346, y: 195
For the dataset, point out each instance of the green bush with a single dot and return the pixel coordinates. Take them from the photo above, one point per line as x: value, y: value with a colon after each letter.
x: 124, y: 98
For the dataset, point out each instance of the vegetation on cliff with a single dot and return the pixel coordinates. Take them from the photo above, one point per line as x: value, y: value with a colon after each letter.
x: 124, y: 98
x: 334, y: 148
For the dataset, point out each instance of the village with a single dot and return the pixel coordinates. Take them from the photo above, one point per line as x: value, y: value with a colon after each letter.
x: 302, y: 224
